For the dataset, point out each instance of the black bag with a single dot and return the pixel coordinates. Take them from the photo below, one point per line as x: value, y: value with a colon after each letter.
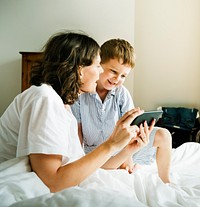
x: 178, y: 117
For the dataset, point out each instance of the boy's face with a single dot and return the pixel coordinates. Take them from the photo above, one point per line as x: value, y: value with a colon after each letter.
x: 114, y: 74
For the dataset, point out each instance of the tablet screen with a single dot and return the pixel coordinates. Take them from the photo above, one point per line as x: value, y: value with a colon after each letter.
x: 147, y: 116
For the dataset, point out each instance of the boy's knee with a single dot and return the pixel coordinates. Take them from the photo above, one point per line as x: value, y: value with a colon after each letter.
x: 163, y: 136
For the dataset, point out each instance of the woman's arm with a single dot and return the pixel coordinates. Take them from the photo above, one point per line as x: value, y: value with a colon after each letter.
x: 58, y: 177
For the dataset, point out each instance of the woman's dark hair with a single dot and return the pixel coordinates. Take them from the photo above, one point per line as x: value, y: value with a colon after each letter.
x: 59, y: 67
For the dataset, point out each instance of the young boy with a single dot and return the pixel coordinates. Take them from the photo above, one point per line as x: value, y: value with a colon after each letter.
x: 97, y: 113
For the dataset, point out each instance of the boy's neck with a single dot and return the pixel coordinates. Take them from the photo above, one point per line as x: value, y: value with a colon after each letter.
x: 102, y: 92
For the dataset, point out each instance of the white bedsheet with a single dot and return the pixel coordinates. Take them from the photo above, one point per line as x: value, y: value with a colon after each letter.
x: 19, y: 187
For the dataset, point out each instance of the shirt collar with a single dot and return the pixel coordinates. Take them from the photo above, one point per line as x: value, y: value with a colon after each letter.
x: 110, y: 93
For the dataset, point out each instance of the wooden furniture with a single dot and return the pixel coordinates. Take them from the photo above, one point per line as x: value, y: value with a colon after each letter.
x: 28, y: 58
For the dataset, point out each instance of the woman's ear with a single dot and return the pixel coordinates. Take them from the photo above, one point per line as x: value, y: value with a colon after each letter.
x: 80, y: 71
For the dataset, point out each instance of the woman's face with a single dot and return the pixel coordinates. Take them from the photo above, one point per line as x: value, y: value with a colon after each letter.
x: 90, y: 74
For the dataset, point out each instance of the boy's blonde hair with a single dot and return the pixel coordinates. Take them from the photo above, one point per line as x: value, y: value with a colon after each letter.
x: 120, y: 49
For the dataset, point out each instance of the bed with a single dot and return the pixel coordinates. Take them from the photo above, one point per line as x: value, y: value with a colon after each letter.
x: 20, y: 187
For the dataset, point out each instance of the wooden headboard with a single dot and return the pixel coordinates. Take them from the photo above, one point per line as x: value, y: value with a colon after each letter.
x: 28, y: 58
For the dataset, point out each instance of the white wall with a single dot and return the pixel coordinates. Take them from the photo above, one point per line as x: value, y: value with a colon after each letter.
x: 25, y: 25
x: 166, y: 40
x: 167, y: 43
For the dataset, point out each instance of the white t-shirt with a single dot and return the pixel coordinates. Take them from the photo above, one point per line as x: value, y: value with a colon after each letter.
x: 37, y: 122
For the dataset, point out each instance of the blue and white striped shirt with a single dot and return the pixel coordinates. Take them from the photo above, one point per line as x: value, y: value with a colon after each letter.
x: 99, y: 119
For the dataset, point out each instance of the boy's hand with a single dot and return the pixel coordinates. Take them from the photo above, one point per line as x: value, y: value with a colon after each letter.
x: 128, y: 165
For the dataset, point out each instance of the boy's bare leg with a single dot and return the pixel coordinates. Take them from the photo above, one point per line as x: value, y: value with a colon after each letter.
x: 163, y: 142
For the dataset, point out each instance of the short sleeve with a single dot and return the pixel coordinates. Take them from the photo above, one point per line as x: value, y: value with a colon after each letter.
x: 126, y: 101
x: 44, y: 128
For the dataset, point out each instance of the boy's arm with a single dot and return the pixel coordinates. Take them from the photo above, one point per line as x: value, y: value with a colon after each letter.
x: 80, y: 133
x: 116, y: 161
x: 75, y: 108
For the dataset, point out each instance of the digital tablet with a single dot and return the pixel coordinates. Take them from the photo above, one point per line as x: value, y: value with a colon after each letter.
x: 147, y: 116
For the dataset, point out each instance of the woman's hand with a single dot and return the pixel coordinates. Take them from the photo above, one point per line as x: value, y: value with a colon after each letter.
x: 124, y: 132
x: 142, y: 138
x: 127, y: 139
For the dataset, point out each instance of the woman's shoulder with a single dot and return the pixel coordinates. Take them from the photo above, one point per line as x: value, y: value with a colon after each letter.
x: 43, y: 90
x: 38, y: 93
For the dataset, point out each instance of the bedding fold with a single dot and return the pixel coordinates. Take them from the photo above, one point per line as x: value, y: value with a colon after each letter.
x: 21, y: 187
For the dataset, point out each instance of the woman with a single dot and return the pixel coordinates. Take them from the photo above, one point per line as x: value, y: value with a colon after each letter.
x: 39, y: 123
